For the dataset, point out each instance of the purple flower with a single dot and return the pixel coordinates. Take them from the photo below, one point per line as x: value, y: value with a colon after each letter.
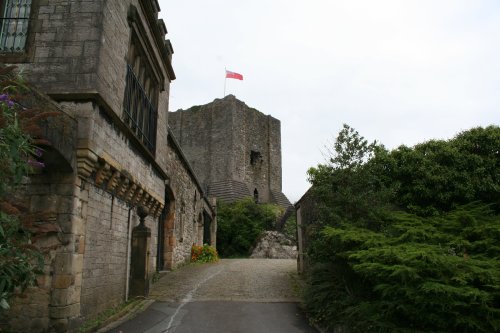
x: 6, y: 99
x: 36, y: 164
x: 38, y: 152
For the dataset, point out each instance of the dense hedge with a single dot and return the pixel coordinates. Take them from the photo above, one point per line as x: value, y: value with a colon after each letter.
x: 410, y: 238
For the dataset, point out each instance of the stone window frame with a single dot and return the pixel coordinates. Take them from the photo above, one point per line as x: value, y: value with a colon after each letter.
x: 28, y: 52
x: 144, y: 70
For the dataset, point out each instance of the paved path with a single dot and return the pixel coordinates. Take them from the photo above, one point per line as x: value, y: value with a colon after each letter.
x: 234, y: 295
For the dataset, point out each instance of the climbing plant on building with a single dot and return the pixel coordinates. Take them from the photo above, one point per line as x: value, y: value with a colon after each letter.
x: 19, y: 260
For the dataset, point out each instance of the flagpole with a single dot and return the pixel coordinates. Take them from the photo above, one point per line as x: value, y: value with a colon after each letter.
x: 225, y: 79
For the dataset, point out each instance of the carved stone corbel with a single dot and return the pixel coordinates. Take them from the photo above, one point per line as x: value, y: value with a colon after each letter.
x: 145, y: 199
x: 113, y: 181
x: 137, y: 196
x: 122, y: 187
x: 130, y: 192
x: 86, y: 160
x: 103, y: 172
x: 158, y: 209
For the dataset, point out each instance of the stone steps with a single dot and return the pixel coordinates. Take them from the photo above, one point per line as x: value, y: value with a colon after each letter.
x: 228, y: 190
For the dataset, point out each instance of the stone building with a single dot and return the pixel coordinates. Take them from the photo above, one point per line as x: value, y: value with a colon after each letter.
x: 235, y: 150
x: 105, y: 67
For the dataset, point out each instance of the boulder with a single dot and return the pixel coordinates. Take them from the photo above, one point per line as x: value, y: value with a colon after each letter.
x: 274, y: 245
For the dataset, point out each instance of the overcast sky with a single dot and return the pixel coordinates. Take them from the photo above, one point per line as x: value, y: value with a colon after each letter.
x: 399, y: 72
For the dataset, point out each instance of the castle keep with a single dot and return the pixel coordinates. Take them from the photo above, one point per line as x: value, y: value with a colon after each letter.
x: 235, y: 150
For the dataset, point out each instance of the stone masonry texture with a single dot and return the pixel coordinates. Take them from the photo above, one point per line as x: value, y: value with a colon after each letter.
x: 97, y: 171
x: 229, y: 143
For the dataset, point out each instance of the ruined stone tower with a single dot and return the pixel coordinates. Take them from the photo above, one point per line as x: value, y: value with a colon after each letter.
x: 235, y: 150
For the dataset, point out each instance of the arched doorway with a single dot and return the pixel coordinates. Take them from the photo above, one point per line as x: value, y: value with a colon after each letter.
x: 256, y: 196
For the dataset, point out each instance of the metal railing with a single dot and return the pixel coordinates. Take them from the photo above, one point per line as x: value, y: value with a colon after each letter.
x: 14, y: 23
x: 140, y: 114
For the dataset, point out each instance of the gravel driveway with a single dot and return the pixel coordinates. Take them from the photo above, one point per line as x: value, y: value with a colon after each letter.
x: 233, y: 295
x: 254, y: 280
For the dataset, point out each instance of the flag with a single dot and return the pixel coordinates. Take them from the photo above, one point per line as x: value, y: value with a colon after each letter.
x: 233, y: 75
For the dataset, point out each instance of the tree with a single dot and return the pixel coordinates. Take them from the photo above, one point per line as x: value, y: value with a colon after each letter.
x: 437, y: 176
x: 348, y: 186
x: 408, y: 239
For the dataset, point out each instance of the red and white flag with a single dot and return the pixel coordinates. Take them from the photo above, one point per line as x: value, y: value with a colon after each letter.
x: 233, y: 75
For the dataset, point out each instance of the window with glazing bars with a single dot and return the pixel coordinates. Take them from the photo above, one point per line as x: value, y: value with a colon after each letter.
x: 14, y: 22
x: 141, y: 99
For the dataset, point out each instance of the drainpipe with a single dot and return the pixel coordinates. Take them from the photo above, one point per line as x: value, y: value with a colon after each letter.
x: 129, y: 241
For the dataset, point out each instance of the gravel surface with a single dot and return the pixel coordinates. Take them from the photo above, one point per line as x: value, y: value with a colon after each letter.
x: 233, y: 295
x: 254, y: 280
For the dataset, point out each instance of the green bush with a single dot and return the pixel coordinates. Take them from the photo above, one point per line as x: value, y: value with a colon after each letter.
x: 417, y: 274
x: 19, y: 260
x: 239, y: 224
x: 290, y: 228
x: 408, y: 240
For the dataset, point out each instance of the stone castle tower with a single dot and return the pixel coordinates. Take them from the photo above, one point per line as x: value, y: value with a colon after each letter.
x: 234, y: 150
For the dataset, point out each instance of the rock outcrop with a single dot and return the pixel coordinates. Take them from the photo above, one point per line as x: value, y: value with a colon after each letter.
x: 274, y: 245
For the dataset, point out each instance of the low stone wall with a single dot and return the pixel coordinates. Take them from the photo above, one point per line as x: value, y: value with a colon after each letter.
x: 274, y: 245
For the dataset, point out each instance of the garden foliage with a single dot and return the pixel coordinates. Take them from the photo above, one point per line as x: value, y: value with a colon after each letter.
x: 408, y: 240
x: 19, y: 260
x: 239, y: 224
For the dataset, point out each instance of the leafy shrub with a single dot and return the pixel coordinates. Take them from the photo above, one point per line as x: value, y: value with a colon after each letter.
x: 239, y: 224
x: 408, y: 240
x: 437, y: 176
x: 417, y: 274
x: 204, y: 254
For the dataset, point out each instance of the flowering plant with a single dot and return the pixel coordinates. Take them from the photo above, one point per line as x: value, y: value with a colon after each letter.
x: 19, y: 260
x: 204, y: 254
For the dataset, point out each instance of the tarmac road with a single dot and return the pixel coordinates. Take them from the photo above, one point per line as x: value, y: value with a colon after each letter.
x: 234, y: 295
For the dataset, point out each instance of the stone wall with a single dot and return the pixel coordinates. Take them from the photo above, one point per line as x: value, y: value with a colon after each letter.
x: 109, y: 221
x: 205, y: 135
x: 100, y: 136
x: 306, y: 213
x: 66, y: 45
x: 258, y: 134
x: 81, y: 47
x: 53, y: 211
x: 117, y: 181
x: 53, y: 198
x: 80, y: 52
x: 190, y: 206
